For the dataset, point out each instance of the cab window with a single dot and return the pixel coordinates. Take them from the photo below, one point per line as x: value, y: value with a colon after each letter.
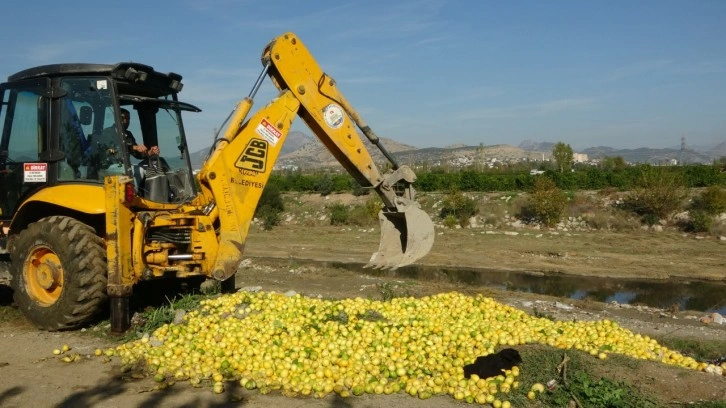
x: 22, y: 117
x: 87, y: 135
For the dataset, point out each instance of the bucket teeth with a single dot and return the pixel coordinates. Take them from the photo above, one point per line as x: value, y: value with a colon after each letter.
x: 384, y: 261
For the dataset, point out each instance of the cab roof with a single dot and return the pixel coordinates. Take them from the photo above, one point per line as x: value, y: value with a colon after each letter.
x: 131, y: 77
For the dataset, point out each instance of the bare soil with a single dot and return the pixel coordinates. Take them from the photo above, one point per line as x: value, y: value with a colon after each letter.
x: 303, y: 258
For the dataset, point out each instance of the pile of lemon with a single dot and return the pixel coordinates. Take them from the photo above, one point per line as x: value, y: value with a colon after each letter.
x: 309, y: 346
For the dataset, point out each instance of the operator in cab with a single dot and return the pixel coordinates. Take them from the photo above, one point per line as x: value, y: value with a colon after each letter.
x: 139, y: 151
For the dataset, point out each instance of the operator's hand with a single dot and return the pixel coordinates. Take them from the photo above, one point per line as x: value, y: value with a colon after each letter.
x: 154, y: 151
x: 140, y: 148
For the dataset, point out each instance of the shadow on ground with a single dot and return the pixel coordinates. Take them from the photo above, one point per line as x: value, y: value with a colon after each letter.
x: 133, y: 393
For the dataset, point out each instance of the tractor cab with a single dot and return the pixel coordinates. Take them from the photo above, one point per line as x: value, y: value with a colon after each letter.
x: 62, y: 124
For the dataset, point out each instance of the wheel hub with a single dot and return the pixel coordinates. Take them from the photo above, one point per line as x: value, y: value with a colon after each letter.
x: 47, y: 274
x: 43, y: 273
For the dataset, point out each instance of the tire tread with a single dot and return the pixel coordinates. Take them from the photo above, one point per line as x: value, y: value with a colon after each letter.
x: 84, y: 267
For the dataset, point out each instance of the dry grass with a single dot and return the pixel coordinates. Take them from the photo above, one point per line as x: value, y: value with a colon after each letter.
x: 718, y: 229
x: 583, y: 204
x: 600, y: 210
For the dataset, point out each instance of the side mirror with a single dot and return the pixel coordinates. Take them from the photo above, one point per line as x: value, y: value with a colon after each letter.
x: 86, y: 115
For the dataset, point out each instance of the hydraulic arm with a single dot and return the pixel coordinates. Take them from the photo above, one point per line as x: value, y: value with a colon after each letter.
x: 239, y: 167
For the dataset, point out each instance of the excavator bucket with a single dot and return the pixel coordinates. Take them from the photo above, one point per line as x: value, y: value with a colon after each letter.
x: 407, y: 235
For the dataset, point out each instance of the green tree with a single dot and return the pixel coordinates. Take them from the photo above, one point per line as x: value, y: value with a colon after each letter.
x: 658, y: 193
x: 712, y: 201
x: 338, y: 214
x: 613, y: 163
x: 720, y: 163
x: 562, y: 154
x: 325, y: 185
x: 479, y: 157
x: 547, y: 202
x: 459, y: 207
x: 270, y: 206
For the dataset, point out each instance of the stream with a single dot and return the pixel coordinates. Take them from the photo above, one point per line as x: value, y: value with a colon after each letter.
x: 697, y: 295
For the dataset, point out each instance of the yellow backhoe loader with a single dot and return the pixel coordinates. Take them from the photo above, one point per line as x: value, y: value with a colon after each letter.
x: 83, y: 220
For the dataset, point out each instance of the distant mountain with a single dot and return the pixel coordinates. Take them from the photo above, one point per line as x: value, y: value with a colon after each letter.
x: 463, y: 155
x: 295, y: 140
x: 719, y: 150
x: 314, y: 154
x: 648, y: 155
x: 600, y: 152
x: 197, y: 158
x: 532, y: 146
x: 306, y: 152
x: 455, y: 146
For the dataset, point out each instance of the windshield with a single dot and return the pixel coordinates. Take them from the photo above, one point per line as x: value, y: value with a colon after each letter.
x: 143, y: 136
x: 157, y: 146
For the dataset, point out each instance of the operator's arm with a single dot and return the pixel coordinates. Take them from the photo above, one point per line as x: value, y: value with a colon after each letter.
x: 137, y: 150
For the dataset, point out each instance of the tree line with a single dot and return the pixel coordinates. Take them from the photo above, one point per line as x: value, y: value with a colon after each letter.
x: 583, y: 177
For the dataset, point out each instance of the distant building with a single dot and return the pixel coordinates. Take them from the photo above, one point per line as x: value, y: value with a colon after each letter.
x: 290, y: 167
x: 579, y: 157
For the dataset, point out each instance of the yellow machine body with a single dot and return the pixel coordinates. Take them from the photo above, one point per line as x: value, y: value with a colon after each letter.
x: 205, y: 234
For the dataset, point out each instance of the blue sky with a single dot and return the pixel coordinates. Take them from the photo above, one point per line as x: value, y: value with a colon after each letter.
x: 427, y: 73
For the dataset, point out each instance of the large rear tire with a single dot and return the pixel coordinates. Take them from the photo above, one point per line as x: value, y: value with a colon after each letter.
x: 59, y: 273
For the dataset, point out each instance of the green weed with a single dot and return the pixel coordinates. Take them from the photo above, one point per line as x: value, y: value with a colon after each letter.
x: 391, y: 290
x: 701, y: 350
x: 338, y: 214
x: 9, y: 314
x: 538, y: 313
x: 546, y: 203
x: 712, y: 201
x: 460, y: 207
x: 575, y: 380
x: 150, y: 319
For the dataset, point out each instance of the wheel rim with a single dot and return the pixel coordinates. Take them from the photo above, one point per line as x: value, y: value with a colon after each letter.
x: 43, y: 274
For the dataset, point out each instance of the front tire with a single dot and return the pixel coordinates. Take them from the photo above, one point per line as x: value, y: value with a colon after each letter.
x: 59, y: 273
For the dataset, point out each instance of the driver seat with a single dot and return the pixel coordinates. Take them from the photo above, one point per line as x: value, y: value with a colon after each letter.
x: 151, y: 180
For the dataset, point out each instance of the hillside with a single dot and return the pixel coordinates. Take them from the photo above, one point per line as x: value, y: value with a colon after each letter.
x: 533, y: 146
x: 306, y: 152
x: 469, y: 155
x: 648, y: 155
x: 314, y: 155
x: 719, y: 150
x: 294, y: 142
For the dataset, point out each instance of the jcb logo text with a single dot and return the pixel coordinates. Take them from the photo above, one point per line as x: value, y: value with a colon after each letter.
x: 254, y: 156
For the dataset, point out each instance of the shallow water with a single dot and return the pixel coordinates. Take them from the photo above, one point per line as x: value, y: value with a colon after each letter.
x: 704, y: 296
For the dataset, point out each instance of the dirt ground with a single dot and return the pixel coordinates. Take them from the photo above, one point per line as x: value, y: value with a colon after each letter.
x: 303, y: 259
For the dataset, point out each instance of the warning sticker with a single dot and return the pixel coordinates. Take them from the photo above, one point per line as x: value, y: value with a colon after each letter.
x: 268, y: 132
x: 35, y: 172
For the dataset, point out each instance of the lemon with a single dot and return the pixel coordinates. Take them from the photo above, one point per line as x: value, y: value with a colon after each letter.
x: 218, y: 387
x: 313, y: 347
